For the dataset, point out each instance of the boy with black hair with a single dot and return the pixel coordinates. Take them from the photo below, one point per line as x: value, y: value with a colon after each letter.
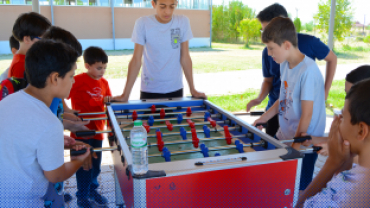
x: 338, y: 182
x: 31, y: 139
x: 301, y: 105
x: 308, y: 45
x: 14, y: 47
x: 27, y: 29
x: 88, y: 94
x: 163, y: 40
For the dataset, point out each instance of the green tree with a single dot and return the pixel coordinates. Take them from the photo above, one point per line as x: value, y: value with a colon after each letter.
x: 308, y: 26
x: 343, y: 18
x: 249, y: 29
x: 297, y: 24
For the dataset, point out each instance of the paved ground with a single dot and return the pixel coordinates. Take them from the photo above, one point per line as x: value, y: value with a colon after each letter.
x: 211, y: 84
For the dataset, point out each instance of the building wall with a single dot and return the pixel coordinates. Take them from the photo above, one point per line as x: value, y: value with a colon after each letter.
x: 93, y: 25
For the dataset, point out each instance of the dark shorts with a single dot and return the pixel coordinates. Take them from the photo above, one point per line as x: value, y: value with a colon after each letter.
x: 148, y: 95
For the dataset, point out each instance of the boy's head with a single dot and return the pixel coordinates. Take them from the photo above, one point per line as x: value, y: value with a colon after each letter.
x: 51, y: 64
x: 64, y: 36
x: 356, y: 75
x: 14, y: 44
x: 270, y: 12
x: 355, y: 122
x: 30, y: 27
x: 95, y: 62
x: 280, y: 36
x: 164, y: 9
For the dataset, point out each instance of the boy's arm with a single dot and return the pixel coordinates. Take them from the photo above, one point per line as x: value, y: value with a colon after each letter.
x: 268, y: 114
x: 265, y: 89
x: 331, y: 66
x: 304, y: 121
x: 133, y: 71
x: 187, y: 66
x: 67, y: 169
x: 339, y: 159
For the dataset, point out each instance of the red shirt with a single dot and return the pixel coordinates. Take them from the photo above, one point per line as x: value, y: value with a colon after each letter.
x: 17, y: 67
x: 87, y: 95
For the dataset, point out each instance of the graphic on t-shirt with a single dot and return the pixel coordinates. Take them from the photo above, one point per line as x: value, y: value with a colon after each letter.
x: 287, y: 102
x: 175, y: 38
x: 96, y: 96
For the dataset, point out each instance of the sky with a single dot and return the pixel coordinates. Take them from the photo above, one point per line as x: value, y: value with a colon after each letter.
x: 307, y: 8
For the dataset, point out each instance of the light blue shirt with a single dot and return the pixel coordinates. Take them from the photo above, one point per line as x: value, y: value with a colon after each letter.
x: 303, y: 82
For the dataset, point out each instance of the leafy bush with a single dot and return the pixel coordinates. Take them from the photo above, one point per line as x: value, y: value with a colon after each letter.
x: 367, y: 39
x: 297, y: 24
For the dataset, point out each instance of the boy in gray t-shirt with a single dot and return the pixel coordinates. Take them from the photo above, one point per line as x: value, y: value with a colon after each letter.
x: 163, y: 40
x: 31, y: 139
x: 301, y: 105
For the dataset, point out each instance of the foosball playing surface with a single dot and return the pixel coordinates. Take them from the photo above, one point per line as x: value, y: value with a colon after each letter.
x: 200, y: 156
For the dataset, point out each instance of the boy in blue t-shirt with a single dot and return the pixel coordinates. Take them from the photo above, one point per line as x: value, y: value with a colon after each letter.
x: 340, y: 183
x: 308, y: 45
x: 301, y: 105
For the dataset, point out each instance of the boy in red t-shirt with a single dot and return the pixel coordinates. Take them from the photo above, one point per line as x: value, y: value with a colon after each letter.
x: 27, y: 29
x: 88, y: 94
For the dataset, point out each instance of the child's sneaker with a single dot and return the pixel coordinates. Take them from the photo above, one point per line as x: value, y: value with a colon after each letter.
x: 98, y: 199
x: 84, y: 203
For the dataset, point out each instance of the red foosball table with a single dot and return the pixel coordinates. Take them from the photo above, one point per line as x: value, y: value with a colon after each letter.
x: 200, y: 156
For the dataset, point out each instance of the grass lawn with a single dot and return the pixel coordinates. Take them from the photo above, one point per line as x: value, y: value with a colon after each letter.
x: 238, y: 102
x: 221, y: 57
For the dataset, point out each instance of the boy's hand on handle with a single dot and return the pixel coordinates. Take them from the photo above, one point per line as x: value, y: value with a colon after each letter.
x: 324, y: 151
x: 86, y: 157
x: 339, y: 150
x: 253, y: 103
x: 71, y: 116
x: 198, y: 94
x: 261, y: 120
x: 308, y: 142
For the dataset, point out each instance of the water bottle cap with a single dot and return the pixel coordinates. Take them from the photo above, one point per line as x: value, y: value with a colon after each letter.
x: 138, y: 123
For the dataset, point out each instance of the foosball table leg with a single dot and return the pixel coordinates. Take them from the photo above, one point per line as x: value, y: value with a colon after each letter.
x: 119, y: 197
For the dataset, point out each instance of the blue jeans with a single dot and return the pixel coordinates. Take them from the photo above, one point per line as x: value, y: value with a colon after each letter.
x: 87, y: 181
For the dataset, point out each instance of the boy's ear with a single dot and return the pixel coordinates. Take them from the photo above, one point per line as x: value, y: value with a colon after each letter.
x: 153, y: 4
x: 287, y: 45
x: 87, y: 66
x: 14, y: 50
x: 54, y: 78
x: 27, y: 39
x: 363, y: 131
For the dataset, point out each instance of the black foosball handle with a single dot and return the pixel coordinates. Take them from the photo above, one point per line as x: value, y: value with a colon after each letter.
x: 316, y: 148
x: 264, y: 125
x: 256, y: 113
x: 302, y: 139
x: 85, y: 133
x: 74, y: 152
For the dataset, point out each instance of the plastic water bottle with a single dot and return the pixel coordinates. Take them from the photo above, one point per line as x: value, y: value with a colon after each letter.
x: 139, y: 148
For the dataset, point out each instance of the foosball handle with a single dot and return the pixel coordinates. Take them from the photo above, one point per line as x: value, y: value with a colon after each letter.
x: 85, y: 133
x: 301, y: 139
x: 256, y: 113
x: 74, y: 152
x: 264, y: 125
x: 316, y: 148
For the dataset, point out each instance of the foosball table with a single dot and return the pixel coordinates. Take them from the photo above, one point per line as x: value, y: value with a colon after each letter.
x: 200, y: 156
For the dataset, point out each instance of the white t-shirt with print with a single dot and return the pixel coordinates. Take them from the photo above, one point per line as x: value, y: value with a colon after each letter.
x: 303, y: 82
x: 31, y: 141
x: 161, y: 70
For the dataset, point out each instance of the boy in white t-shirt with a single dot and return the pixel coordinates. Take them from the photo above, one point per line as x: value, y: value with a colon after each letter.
x: 163, y: 40
x: 32, y: 139
x: 301, y: 105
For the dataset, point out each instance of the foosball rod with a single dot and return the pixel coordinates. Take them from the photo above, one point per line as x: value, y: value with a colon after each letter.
x: 139, y: 110
x: 93, y: 132
x: 74, y: 152
x: 176, y: 125
x: 155, y: 120
x: 209, y: 148
x: 200, y: 139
